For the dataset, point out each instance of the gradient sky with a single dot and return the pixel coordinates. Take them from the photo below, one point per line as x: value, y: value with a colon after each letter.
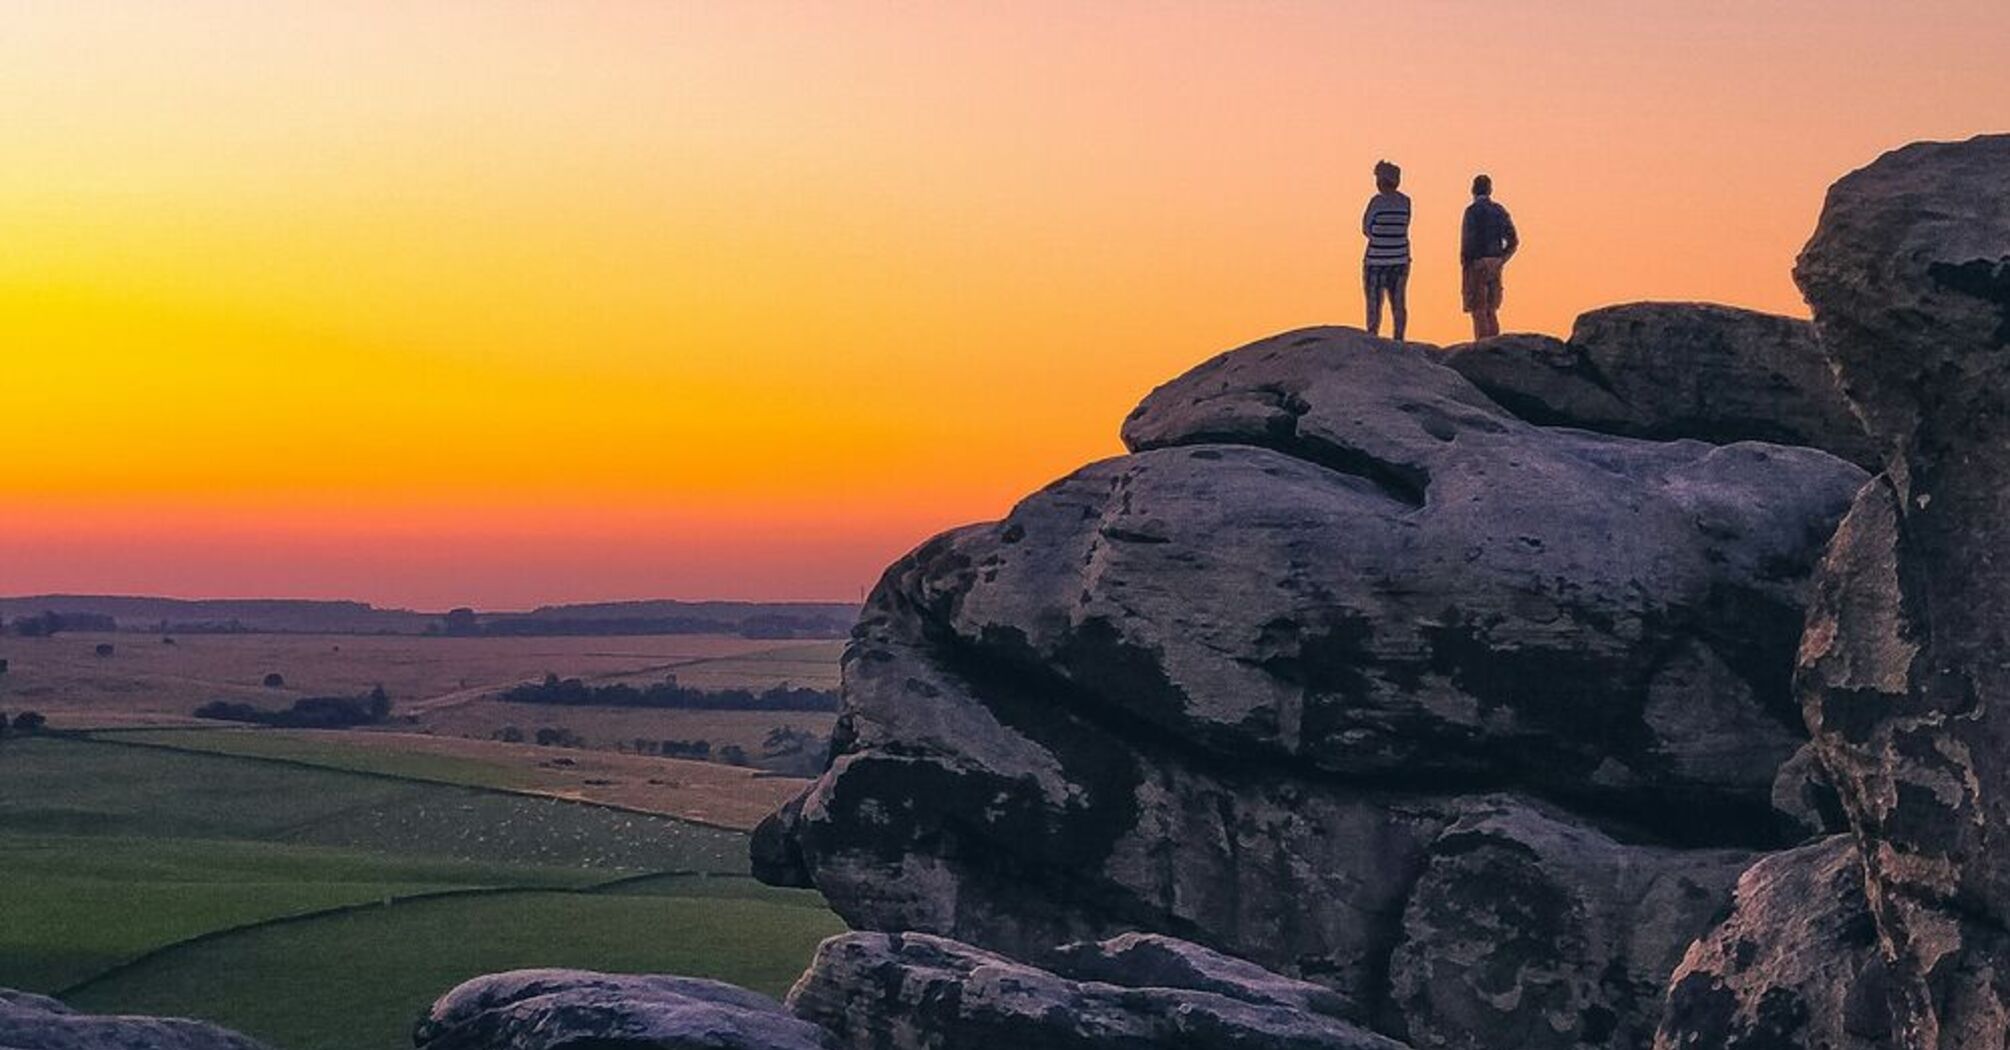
x: 506, y: 303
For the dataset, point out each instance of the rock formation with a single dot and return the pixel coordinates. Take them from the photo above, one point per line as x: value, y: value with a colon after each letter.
x: 1903, y: 667
x: 875, y: 991
x: 1796, y: 964
x: 552, y: 1009
x: 1675, y: 370
x: 1355, y: 707
x: 35, y: 1022
x: 1340, y: 650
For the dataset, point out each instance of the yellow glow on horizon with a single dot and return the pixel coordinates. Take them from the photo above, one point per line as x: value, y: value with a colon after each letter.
x: 753, y: 297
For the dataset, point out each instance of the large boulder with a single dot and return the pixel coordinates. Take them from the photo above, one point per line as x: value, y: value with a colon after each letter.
x: 36, y: 1022
x: 1795, y: 966
x: 1527, y: 930
x: 1904, y: 678
x: 1675, y: 370
x: 577, y: 1010
x: 875, y: 991
x: 1257, y: 685
x: 1329, y: 550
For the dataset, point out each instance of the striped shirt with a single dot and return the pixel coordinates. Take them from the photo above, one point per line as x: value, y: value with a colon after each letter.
x: 1387, y: 224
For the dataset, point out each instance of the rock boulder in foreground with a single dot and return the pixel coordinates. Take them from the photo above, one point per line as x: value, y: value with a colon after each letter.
x: 1796, y: 965
x: 36, y: 1022
x: 578, y: 1010
x: 1903, y: 670
x: 876, y: 991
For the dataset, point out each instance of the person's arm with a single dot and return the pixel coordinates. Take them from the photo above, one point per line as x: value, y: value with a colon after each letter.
x: 1510, y: 240
x: 1368, y: 219
x: 1469, y: 237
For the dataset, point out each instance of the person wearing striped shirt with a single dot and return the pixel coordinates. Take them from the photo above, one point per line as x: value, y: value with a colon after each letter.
x: 1385, y: 270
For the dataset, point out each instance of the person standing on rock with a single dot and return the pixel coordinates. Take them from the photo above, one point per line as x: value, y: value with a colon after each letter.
x: 1486, y: 242
x: 1385, y: 270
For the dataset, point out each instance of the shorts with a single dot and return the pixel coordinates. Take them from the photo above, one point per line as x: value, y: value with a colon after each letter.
x: 1378, y: 279
x: 1481, y: 285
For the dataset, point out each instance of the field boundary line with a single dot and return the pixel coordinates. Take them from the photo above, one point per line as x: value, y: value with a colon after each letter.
x: 406, y: 779
x: 119, y: 969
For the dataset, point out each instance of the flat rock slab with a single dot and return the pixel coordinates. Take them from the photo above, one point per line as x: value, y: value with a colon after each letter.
x: 559, y: 1009
x: 917, y: 992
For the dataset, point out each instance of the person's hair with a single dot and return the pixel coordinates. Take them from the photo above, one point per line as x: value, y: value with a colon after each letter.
x: 1483, y: 186
x: 1387, y: 175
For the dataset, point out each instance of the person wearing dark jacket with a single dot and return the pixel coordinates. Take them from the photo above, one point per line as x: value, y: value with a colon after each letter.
x: 1487, y: 240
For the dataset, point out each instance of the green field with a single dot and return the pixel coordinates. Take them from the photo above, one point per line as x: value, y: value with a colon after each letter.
x: 320, y: 909
x: 369, y: 972
x: 292, y: 747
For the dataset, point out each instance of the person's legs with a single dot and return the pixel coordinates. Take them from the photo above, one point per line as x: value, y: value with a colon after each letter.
x: 1483, y: 297
x: 1494, y: 290
x: 1399, y: 300
x: 1500, y: 296
x: 1374, y: 292
x: 1469, y: 287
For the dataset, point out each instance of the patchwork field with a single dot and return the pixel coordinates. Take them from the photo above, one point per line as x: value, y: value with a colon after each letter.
x: 706, y: 792
x: 145, y: 681
x: 320, y: 907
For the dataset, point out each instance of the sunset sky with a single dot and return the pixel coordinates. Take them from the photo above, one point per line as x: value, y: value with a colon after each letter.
x: 507, y: 303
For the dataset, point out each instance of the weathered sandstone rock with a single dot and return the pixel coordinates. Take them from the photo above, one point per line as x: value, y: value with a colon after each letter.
x: 1526, y: 930
x: 1419, y: 585
x: 576, y: 1010
x: 1796, y: 966
x: 1260, y: 684
x: 1903, y: 670
x: 876, y: 991
x: 1674, y: 370
x: 36, y: 1022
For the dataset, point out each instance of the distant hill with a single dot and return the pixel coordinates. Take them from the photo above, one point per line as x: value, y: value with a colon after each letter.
x: 303, y: 616
x: 194, y: 616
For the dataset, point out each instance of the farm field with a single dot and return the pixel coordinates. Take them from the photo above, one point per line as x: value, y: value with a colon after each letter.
x: 319, y: 908
x: 416, y: 949
x: 147, y: 682
x: 707, y: 792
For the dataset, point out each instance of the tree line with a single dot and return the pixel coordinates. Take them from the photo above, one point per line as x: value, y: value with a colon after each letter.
x: 50, y: 624
x: 313, y: 712
x: 571, y: 692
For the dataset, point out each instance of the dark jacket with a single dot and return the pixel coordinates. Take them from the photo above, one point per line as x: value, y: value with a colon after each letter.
x: 1488, y: 232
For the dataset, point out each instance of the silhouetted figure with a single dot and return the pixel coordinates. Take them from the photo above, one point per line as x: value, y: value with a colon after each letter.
x: 1486, y: 242
x: 1385, y: 270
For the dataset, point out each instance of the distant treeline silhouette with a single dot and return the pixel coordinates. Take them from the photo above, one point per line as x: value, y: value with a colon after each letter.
x: 466, y: 623
x: 51, y: 623
x: 571, y: 692
x: 314, y: 712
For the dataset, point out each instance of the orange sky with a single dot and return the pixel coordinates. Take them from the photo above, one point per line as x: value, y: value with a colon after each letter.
x: 507, y: 303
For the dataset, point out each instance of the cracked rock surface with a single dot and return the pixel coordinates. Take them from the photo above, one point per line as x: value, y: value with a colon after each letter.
x: 1903, y: 671
x: 1341, y: 647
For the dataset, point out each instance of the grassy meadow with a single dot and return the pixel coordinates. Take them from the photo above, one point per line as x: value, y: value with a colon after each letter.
x: 705, y: 792
x: 317, y: 889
